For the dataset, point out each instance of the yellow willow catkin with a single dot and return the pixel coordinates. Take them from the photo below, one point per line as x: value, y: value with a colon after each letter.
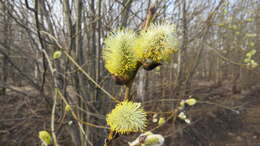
x: 157, y: 43
x: 127, y: 117
x: 118, y: 53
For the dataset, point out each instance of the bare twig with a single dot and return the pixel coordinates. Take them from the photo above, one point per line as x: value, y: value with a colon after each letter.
x: 76, y: 117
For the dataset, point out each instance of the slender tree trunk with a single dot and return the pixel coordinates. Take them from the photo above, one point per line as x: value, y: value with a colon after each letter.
x: 182, y: 52
x: 7, y: 37
x: 73, y: 41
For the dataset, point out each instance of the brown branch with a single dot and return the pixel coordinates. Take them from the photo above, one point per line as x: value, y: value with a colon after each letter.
x: 28, y: 7
x: 149, y: 18
x: 41, y: 42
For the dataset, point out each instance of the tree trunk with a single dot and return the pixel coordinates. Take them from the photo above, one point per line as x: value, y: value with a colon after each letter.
x: 7, y: 41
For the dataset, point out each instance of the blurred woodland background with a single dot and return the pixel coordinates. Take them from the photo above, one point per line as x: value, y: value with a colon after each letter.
x: 217, y: 64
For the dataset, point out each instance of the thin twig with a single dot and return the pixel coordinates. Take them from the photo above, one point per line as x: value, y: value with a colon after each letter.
x: 89, y: 77
x: 53, y: 118
x: 75, y: 116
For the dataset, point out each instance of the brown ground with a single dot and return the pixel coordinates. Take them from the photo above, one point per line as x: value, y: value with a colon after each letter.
x: 218, y: 126
x: 213, y: 125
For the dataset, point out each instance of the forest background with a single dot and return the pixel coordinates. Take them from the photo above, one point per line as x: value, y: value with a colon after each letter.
x: 217, y: 64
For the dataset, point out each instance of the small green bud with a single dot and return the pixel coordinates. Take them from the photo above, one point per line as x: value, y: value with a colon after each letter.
x: 45, y: 137
x: 182, y: 115
x: 67, y: 108
x: 191, y: 101
x: 155, y: 118
x: 161, y: 121
x: 182, y: 105
x: 154, y: 140
x: 148, y: 139
x: 56, y: 55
